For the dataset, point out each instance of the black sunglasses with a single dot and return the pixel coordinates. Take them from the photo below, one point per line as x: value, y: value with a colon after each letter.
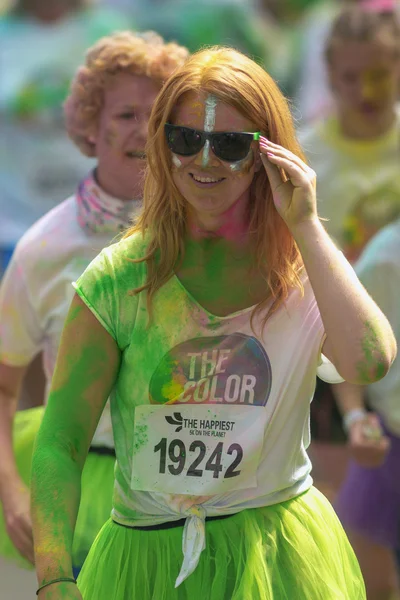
x: 227, y: 145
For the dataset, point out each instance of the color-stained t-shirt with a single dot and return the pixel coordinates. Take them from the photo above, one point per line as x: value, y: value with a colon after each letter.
x: 379, y: 270
x: 36, y: 292
x: 358, y: 182
x: 187, y: 356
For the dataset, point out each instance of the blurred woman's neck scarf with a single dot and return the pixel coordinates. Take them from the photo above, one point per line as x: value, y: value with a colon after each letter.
x: 99, y: 212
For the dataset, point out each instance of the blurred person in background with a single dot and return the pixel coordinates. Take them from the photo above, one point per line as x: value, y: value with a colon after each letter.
x: 265, y: 30
x: 313, y: 97
x: 355, y: 150
x: 368, y: 502
x: 106, y: 116
x: 207, y: 23
x: 280, y: 22
x: 42, y: 44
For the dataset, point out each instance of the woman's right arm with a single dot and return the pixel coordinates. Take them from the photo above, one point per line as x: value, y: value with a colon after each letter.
x: 87, y: 367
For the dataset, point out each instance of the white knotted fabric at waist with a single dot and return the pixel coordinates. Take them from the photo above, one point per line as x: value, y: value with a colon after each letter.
x: 193, y: 541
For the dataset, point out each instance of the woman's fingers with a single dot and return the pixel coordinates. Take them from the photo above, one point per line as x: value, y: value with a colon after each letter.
x: 274, y: 176
x: 268, y: 146
x: 297, y: 176
x: 294, y: 198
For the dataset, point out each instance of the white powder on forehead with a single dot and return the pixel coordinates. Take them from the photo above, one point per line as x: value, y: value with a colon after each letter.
x: 209, y: 124
x: 209, y: 117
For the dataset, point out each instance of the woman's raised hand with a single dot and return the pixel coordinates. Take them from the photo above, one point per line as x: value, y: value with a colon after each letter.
x: 295, y: 199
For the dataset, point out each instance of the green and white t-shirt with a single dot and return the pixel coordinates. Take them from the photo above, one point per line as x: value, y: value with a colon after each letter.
x: 358, y: 182
x: 186, y: 381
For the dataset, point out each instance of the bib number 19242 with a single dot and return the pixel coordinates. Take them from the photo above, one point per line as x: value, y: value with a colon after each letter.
x: 196, y: 459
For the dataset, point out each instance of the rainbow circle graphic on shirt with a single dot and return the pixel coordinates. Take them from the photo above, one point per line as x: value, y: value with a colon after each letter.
x: 231, y: 369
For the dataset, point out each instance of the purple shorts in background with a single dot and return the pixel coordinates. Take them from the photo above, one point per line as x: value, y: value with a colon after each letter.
x: 368, y: 501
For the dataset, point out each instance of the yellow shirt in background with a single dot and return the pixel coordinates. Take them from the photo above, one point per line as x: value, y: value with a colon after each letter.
x: 358, y: 181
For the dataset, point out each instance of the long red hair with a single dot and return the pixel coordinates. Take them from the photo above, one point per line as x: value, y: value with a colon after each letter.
x: 238, y: 81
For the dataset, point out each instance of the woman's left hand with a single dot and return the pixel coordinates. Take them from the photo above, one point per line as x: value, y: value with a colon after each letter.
x: 294, y: 199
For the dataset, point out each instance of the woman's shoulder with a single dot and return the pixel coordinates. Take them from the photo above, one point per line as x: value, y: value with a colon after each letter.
x: 120, y: 258
x: 133, y: 247
x: 121, y: 263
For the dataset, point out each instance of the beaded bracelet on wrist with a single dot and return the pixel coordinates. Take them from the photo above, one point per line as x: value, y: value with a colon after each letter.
x: 68, y: 579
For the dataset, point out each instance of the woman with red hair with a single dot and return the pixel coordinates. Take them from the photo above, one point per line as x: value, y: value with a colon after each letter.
x: 208, y: 324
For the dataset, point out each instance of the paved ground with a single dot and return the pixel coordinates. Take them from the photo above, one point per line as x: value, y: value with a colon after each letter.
x: 15, y: 583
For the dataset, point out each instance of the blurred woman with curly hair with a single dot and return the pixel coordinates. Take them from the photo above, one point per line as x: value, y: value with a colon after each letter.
x: 106, y: 114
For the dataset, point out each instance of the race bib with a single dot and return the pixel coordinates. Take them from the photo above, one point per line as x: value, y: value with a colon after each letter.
x: 199, y: 450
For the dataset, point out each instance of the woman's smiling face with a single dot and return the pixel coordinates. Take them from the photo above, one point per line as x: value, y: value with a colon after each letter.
x: 210, y: 185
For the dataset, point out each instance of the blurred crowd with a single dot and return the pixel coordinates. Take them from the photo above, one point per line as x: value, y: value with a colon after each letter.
x: 343, y: 87
x: 43, y: 42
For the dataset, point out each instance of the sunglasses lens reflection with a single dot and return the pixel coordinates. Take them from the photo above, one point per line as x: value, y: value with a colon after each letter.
x: 184, y: 141
x: 232, y: 146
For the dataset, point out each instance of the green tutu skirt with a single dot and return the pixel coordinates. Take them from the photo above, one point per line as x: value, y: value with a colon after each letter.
x: 296, y: 550
x: 97, y: 489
